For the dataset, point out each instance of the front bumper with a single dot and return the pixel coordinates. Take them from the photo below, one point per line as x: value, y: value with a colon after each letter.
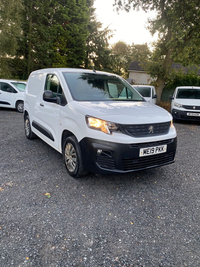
x: 182, y: 115
x: 123, y: 158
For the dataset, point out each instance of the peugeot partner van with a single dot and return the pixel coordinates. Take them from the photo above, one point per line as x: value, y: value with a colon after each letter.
x: 12, y: 94
x: 147, y: 91
x: 98, y: 121
x: 185, y: 103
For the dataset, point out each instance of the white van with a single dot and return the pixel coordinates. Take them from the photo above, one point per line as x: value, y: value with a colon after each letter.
x: 185, y: 103
x: 147, y: 91
x: 97, y: 121
x: 12, y: 94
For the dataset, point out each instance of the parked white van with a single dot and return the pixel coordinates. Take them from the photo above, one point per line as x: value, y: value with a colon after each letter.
x: 12, y: 94
x: 97, y: 121
x: 147, y: 91
x: 185, y: 103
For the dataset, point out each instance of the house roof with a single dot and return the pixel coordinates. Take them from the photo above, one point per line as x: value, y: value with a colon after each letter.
x: 178, y: 67
x: 135, y: 66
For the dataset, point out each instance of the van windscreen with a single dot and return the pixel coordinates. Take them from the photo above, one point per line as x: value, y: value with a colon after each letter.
x: 144, y: 91
x: 99, y: 87
x: 186, y: 93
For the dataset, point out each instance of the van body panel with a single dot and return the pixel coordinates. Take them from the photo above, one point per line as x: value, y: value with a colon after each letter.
x: 185, y: 103
x: 131, y: 125
x: 122, y: 112
x: 147, y: 91
x: 11, y: 92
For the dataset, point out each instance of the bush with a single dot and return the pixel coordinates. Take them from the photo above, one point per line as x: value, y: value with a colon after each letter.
x: 180, y: 79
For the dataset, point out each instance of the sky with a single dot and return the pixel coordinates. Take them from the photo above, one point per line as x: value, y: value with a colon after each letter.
x: 129, y: 27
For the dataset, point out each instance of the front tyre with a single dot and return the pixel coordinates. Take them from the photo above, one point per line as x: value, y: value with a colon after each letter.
x: 72, y: 157
x: 20, y: 106
x: 27, y: 127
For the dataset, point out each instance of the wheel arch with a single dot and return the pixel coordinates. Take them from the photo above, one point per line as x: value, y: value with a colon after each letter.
x: 66, y: 134
x: 25, y: 113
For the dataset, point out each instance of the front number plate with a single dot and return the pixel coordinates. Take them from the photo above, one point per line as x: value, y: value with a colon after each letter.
x: 193, y: 114
x: 152, y: 150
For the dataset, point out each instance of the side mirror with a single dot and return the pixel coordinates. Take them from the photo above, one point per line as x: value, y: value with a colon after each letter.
x: 49, y: 97
x: 171, y: 97
x: 154, y: 96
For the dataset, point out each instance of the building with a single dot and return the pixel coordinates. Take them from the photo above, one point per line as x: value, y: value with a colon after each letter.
x: 137, y: 74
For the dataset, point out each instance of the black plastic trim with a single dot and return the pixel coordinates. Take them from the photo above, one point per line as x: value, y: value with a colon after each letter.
x: 182, y: 115
x: 4, y: 103
x: 43, y: 130
x: 113, y: 155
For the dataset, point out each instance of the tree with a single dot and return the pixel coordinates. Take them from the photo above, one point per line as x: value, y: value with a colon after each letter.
x: 178, y: 25
x: 37, y: 39
x: 98, y: 53
x: 123, y: 54
x: 54, y: 34
x: 72, y: 18
x: 140, y: 52
x: 121, y: 58
x: 10, y: 25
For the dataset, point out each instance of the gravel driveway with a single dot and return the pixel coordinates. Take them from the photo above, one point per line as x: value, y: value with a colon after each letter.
x: 47, y: 218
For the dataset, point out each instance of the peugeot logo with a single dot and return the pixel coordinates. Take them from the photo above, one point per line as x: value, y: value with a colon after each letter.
x: 150, y: 129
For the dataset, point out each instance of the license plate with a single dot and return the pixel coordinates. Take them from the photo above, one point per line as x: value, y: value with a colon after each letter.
x: 193, y: 114
x: 148, y: 151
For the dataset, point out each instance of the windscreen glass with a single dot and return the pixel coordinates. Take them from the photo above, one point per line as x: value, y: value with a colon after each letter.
x: 144, y: 91
x: 96, y: 87
x: 20, y: 86
x: 186, y: 93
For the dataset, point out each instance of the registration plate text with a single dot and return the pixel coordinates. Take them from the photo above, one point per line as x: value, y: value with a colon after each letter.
x: 152, y: 150
x: 193, y: 114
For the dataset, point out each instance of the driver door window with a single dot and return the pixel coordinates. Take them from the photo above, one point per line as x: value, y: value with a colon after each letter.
x: 53, y: 84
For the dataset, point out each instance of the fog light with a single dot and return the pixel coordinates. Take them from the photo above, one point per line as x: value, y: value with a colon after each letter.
x: 99, y: 151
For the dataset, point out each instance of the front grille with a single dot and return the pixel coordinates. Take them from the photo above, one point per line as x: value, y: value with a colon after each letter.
x: 105, y: 160
x: 150, y: 144
x: 191, y: 107
x: 140, y: 130
x: 148, y: 161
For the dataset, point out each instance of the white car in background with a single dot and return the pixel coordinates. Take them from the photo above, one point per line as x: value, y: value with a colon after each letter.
x: 186, y: 103
x: 12, y: 94
x: 147, y: 91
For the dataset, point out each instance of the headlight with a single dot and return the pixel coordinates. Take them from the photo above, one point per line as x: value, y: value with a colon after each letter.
x: 101, y: 125
x: 177, y: 105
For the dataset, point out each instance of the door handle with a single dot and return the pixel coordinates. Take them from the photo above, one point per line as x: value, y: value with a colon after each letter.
x: 42, y: 105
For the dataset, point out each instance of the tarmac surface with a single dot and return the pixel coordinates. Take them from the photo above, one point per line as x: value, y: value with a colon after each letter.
x: 47, y: 218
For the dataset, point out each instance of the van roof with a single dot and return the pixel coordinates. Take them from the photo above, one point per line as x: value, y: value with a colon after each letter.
x: 188, y: 87
x: 9, y: 81
x: 73, y: 70
x: 142, y: 85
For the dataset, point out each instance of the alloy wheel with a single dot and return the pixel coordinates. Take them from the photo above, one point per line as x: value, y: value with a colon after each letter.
x: 70, y: 157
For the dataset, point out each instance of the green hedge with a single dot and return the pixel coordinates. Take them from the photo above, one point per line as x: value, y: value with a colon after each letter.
x: 179, y: 79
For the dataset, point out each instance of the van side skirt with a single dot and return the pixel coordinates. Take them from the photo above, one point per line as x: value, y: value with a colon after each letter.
x: 43, y: 130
